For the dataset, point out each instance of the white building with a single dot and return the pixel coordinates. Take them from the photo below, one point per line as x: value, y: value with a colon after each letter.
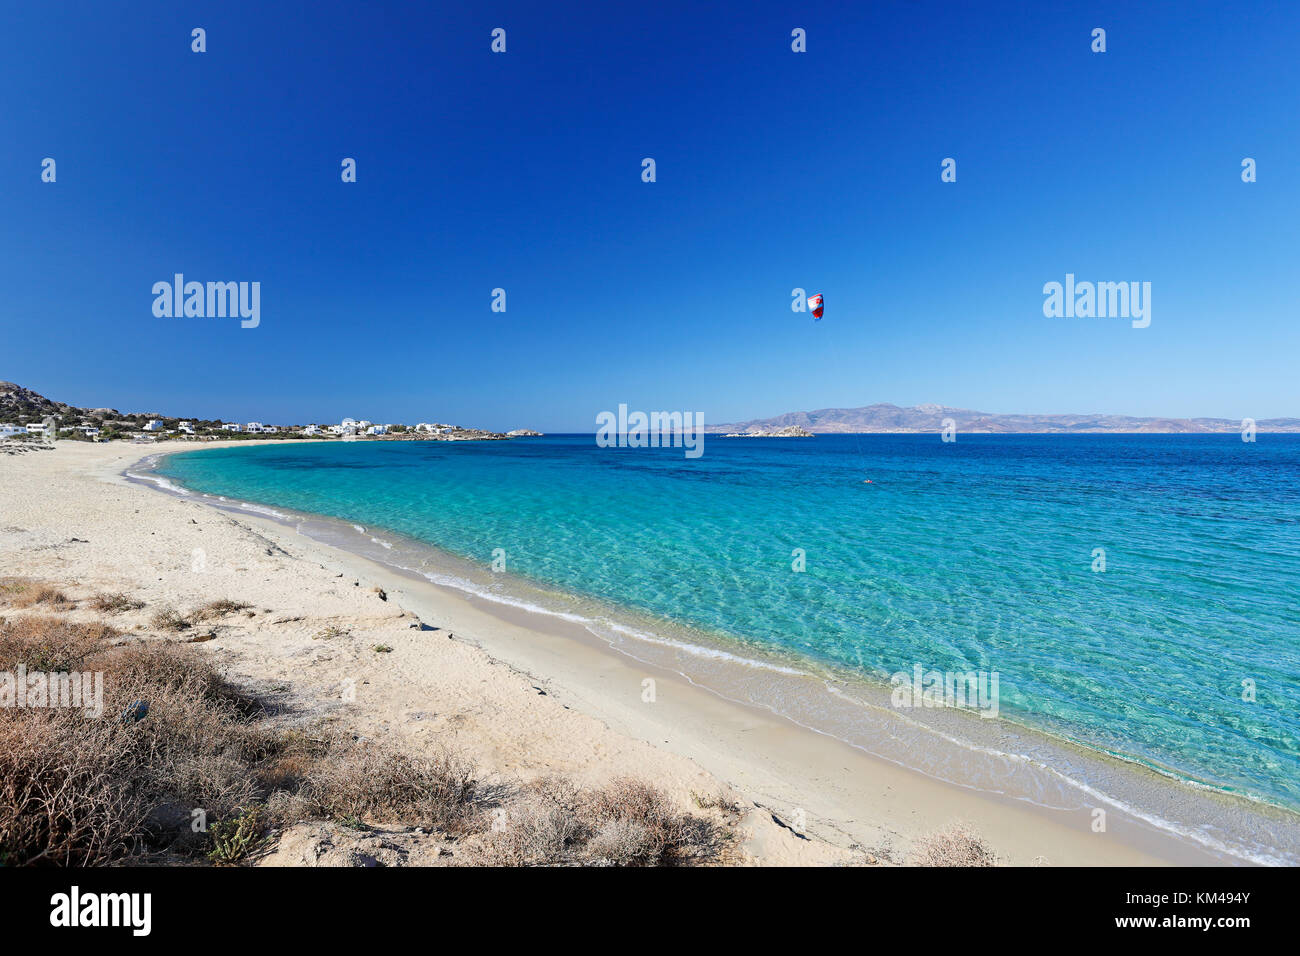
x: 270, y: 429
x: 232, y: 427
x: 377, y: 430
x: 7, y: 430
x: 311, y: 430
x: 36, y: 428
x: 185, y: 428
x: 254, y: 428
x: 155, y: 425
x: 90, y: 431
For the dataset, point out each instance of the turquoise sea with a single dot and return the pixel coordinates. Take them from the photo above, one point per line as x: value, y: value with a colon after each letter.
x: 973, y: 555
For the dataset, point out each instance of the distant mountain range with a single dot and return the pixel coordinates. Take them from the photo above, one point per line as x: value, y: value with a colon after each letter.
x: 930, y: 418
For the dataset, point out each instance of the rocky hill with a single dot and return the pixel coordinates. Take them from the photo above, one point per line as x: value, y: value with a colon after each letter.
x: 22, y: 405
x: 18, y: 404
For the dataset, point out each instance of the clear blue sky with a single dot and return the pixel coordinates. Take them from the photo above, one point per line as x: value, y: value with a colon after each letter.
x: 775, y: 170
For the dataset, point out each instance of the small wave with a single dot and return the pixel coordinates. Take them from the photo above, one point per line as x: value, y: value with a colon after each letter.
x: 160, y: 481
x: 699, y: 650
x: 260, y: 510
x: 592, y: 624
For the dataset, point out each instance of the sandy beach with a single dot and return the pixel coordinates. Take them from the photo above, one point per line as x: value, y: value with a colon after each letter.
x: 523, y: 695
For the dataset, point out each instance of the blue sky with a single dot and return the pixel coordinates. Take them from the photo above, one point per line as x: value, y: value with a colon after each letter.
x: 775, y: 170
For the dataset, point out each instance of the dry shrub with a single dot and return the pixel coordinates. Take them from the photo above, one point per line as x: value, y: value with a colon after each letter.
x: 69, y: 789
x: 543, y: 827
x: 954, y: 845
x: 628, y: 823
x: 287, y: 766
x: 723, y: 802
x: 637, y: 825
x: 169, y: 619
x: 625, y: 843
x: 76, y: 789
x: 49, y: 643
x: 362, y: 780
x: 217, y: 609
x: 25, y: 592
x: 115, y: 603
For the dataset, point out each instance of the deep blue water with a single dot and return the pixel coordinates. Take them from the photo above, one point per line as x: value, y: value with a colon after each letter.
x: 977, y: 554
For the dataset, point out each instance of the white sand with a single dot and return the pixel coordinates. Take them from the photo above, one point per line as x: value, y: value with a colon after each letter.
x: 513, y: 691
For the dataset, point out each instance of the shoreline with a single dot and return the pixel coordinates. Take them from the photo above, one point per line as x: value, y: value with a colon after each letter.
x: 1063, y: 777
x: 692, y: 733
